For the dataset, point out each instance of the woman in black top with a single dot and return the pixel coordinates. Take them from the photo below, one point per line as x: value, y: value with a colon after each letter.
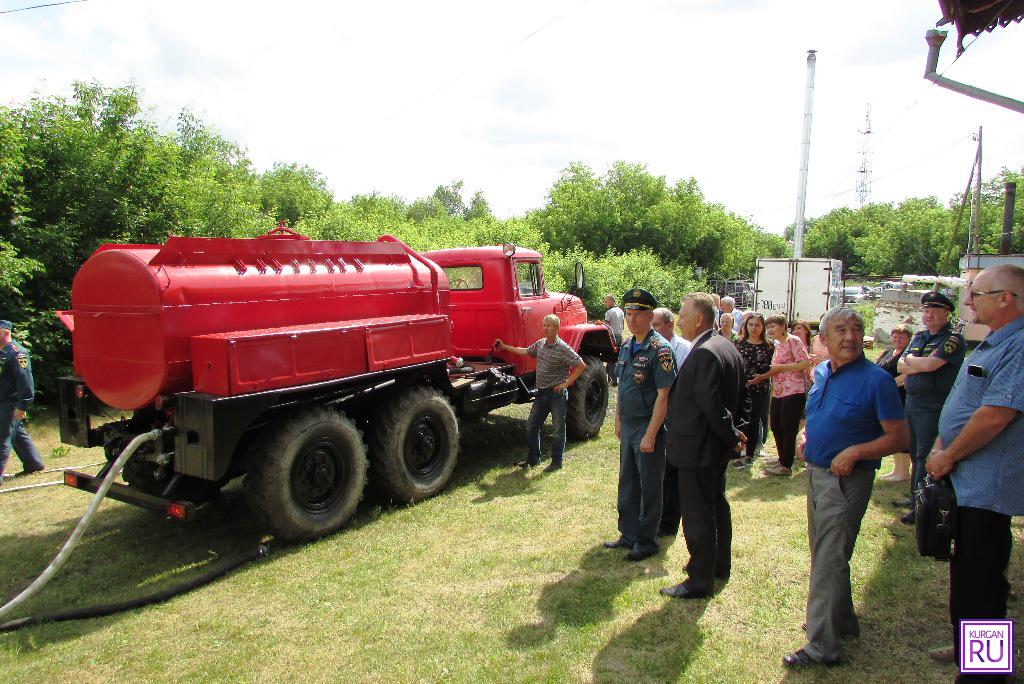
x: 756, y: 352
x: 900, y: 336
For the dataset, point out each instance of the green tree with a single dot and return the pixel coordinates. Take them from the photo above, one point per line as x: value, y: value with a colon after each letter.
x: 450, y: 197
x: 292, y: 193
x: 834, y: 235
x: 629, y: 208
x: 14, y: 270
x: 478, y: 207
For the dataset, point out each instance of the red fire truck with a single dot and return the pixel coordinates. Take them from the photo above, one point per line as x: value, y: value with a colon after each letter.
x: 307, y: 366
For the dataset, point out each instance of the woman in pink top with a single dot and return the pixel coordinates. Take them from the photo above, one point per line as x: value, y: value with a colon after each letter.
x: 789, y: 391
x: 802, y: 331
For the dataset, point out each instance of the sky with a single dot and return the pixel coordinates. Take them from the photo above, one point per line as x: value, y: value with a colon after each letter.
x: 399, y: 97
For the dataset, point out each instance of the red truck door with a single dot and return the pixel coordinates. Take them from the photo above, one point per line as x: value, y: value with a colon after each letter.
x: 532, y: 303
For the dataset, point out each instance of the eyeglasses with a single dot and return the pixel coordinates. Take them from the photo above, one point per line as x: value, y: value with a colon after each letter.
x: 980, y: 293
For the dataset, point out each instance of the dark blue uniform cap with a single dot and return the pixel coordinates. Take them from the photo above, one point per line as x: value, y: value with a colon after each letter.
x: 639, y: 298
x: 936, y: 299
x: 7, y: 325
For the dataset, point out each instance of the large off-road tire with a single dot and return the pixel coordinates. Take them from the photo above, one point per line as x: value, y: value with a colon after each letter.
x: 588, y: 401
x: 306, y: 479
x: 414, y: 443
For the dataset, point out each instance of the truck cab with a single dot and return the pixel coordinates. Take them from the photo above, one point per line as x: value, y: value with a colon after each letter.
x: 500, y: 293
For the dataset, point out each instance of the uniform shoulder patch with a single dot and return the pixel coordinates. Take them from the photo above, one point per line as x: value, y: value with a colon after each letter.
x: 952, y: 343
x: 665, y: 358
x: 23, y: 360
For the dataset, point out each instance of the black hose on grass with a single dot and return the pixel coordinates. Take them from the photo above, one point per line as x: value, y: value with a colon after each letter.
x: 261, y: 551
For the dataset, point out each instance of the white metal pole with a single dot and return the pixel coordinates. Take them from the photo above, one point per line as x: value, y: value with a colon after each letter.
x: 805, y: 154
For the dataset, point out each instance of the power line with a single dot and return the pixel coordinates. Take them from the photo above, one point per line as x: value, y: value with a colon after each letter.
x: 901, y: 169
x: 49, y: 4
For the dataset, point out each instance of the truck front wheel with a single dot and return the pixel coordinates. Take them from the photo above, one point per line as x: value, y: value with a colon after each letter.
x: 307, y: 478
x: 588, y: 401
x: 414, y: 444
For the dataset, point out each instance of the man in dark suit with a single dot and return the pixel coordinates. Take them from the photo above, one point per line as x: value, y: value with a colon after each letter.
x: 708, y: 408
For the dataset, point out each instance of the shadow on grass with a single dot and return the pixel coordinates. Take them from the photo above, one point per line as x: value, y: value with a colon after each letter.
x: 508, y: 484
x: 497, y: 441
x: 127, y: 553
x: 902, y: 610
x: 747, y: 486
x: 656, y: 648
x: 583, y: 597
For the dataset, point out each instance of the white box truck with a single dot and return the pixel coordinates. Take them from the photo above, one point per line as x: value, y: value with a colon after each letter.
x: 798, y: 288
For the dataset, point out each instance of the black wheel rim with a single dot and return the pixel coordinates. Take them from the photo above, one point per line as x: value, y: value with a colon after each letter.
x: 318, y: 476
x: 426, y: 444
x: 593, y: 404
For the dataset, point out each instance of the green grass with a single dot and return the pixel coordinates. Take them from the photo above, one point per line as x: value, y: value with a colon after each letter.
x: 501, y: 578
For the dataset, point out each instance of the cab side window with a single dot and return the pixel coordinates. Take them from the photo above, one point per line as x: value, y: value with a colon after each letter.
x: 465, y: 277
x: 528, y: 277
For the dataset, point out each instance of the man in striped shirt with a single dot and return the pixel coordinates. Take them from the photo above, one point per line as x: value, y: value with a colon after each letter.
x: 558, y: 367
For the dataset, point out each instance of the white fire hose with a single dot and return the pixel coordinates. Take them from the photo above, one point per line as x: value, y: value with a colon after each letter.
x: 72, y: 541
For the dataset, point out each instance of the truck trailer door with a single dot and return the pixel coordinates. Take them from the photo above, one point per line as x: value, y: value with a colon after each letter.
x: 812, y: 288
x: 773, y: 286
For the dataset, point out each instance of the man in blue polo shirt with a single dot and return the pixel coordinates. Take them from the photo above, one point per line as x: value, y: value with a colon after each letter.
x: 981, y: 434
x: 854, y: 418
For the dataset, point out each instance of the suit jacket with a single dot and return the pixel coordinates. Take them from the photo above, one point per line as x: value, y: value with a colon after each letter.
x: 708, y: 406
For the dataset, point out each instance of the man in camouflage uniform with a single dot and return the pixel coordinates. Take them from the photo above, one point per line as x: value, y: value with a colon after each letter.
x: 645, y: 370
x: 928, y: 367
x: 16, y: 393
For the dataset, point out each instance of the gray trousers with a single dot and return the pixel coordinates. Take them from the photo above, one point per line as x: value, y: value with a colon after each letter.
x: 835, y: 508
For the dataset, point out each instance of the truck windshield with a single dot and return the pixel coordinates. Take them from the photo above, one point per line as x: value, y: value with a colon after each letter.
x: 465, y: 277
x: 528, y: 276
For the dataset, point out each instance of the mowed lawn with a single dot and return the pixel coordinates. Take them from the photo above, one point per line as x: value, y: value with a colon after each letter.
x: 501, y: 578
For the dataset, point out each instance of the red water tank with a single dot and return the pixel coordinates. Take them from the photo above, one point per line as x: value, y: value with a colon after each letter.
x: 135, y: 308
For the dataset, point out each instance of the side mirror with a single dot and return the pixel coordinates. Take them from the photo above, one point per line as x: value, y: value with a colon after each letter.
x: 578, y: 278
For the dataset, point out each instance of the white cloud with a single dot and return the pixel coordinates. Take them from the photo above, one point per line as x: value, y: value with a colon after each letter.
x: 397, y: 97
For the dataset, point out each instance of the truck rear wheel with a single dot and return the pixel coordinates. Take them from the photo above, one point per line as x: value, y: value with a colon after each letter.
x: 588, y: 401
x: 414, y: 444
x: 307, y: 478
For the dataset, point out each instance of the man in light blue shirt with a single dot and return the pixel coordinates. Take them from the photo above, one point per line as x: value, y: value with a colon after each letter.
x: 664, y: 324
x: 981, y: 446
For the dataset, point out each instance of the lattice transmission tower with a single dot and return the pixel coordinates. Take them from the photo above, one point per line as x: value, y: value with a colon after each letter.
x: 864, y: 170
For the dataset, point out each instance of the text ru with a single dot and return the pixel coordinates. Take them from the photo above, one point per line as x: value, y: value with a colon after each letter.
x: 975, y: 649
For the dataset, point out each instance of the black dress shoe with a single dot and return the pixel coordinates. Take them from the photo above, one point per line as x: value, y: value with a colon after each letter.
x: 552, y: 467
x: 684, y: 590
x: 638, y: 555
x: 619, y: 543
x: 802, y: 658
x: 908, y: 518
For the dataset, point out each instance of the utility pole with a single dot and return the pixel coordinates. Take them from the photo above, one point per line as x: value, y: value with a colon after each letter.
x: 805, y: 154
x: 974, y: 228
x: 864, y: 170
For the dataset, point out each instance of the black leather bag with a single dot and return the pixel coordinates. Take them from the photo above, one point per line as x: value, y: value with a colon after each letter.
x: 936, y: 518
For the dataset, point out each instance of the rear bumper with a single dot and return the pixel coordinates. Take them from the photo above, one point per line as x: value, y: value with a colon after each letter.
x: 182, y: 510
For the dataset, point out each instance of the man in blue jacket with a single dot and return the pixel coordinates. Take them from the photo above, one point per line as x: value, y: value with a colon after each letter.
x: 16, y: 393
